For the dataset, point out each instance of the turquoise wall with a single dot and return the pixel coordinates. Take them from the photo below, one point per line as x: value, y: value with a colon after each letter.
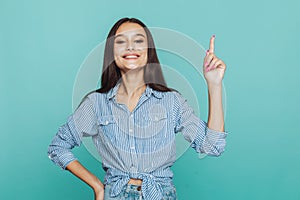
x: 44, y: 43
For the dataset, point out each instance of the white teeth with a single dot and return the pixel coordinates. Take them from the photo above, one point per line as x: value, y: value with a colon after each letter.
x: 131, y: 56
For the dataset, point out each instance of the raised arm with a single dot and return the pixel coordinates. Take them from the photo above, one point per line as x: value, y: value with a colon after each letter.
x: 214, y: 70
x: 208, y: 138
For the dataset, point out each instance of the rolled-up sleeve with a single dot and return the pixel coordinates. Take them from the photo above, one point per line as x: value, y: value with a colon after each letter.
x: 82, y: 123
x: 195, y: 130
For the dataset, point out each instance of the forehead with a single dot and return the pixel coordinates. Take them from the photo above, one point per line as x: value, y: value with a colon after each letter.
x: 129, y: 29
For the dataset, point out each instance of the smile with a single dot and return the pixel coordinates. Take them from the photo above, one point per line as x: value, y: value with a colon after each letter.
x: 130, y: 56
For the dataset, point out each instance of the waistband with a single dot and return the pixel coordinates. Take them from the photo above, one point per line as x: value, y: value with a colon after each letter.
x: 151, y: 186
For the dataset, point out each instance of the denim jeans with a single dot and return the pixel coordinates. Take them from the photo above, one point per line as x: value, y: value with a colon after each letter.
x: 134, y: 192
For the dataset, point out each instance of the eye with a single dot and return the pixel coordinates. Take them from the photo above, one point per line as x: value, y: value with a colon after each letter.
x: 120, y: 42
x: 139, y: 41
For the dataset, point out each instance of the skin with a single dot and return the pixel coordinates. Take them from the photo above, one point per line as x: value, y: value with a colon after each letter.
x: 127, y: 41
x: 214, y: 69
x: 131, y: 38
x: 77, y: 169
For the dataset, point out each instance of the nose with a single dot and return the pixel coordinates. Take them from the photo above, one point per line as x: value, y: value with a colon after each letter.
x: 130, y: 46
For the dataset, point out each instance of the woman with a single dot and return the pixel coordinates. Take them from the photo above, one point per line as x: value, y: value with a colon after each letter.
x: 133, y: 119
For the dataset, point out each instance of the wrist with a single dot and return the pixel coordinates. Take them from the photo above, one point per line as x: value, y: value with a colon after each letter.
x: 97, y: 185
x: 214, y: 86
x: 98, y: 188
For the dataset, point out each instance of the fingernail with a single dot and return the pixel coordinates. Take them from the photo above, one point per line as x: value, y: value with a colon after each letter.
x: 207, y: 52
x: 214, y: 35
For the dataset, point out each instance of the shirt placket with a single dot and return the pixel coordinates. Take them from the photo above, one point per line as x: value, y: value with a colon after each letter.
x: 131, y: 130
x: 133, y: 153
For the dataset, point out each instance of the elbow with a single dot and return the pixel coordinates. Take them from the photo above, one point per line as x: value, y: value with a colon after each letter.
x: 60, y: 156
x: 215, y: 142
x: 218, y: 150
x: 216, y: 153
x: 219, y: 153
x: 51, y: 153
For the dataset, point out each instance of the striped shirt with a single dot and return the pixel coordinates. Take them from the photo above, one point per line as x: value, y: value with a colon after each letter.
x: 138, y: 144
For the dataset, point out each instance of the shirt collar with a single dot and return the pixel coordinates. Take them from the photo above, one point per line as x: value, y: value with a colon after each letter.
x: 113, y: 91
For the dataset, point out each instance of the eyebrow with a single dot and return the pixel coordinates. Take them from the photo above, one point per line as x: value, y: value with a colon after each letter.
x: 138, y: 34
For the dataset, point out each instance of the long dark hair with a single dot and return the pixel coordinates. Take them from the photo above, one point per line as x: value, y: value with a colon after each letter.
x: 111, y: 74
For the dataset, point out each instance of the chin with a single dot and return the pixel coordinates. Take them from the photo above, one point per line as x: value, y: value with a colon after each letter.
x: 129, y: 67
x: 134, y: 67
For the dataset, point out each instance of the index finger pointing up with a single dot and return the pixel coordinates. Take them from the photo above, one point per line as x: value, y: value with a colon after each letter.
x: 212, y: 44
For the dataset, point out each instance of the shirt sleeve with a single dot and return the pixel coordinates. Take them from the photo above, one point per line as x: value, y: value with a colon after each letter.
x: 82, y: 123
x: 202, y: 139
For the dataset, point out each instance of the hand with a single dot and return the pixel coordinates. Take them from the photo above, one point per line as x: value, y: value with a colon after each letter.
x: 99, y: 193
x: 213, y: 67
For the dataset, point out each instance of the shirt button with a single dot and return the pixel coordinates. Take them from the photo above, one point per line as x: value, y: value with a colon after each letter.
x: 130, y: 130
x: 106, y: 122
x: 132, y: 147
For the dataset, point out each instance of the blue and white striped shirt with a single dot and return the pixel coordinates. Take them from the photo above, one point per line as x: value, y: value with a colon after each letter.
x: 138, y: 144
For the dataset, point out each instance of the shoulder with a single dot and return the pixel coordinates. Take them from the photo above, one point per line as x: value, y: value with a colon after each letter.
x: 175, y: 96
x: 94, y: 98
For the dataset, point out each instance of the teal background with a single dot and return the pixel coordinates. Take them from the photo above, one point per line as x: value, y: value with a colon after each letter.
x: 43, y: 43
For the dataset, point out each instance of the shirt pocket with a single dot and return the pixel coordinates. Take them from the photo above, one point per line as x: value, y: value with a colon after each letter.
x: 107, y: 124
x: 157, y: 117
x: 107, y: 127
x: 107, y: 120
x: 156, y: 124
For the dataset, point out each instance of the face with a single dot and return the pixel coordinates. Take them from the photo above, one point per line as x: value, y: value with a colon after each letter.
x: 130, y: 47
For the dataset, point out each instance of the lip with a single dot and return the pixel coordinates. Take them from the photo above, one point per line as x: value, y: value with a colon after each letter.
x: 129, y: 56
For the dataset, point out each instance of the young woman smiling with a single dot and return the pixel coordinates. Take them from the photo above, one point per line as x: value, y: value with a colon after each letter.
x: 133, y: 119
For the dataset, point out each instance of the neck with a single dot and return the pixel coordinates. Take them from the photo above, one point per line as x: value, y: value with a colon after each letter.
x: 132, y: 83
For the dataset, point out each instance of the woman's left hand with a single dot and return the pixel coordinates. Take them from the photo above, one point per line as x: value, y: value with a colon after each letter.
x: 213, y: 67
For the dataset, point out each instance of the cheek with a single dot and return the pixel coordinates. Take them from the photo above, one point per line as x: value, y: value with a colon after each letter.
x: 119, y: 48
x: 117, y: 51
x: 117, y: 54
x: 145, y: 54
x: 117, y: 61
